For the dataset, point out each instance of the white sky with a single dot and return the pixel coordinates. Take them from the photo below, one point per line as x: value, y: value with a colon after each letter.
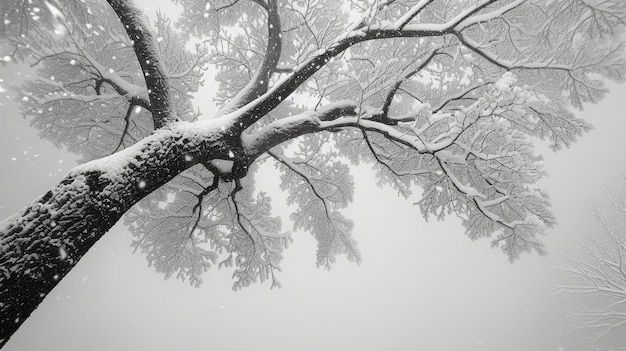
x: 422, y: 286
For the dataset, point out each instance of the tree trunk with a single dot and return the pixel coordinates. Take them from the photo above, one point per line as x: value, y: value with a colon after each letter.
x: 43, y: 242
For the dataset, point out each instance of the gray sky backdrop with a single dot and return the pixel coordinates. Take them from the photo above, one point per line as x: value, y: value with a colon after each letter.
x: 421, y: 286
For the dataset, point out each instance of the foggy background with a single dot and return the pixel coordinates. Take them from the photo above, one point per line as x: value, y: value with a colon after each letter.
x: 421, y: 286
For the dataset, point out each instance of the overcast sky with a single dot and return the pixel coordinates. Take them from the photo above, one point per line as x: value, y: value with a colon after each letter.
x: 421, y: 286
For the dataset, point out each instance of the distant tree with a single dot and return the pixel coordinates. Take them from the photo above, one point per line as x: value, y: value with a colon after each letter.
x: 596, y: 275
x: 442, y: 95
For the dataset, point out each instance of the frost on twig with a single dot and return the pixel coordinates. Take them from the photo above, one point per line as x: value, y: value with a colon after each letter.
x: 595, y: 275
x: 319, y: 186
x: 198, y: 221
x: 89, y: 94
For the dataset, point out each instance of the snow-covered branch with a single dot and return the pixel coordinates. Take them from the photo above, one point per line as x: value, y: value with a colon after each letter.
x: 394, y: 89
x: 412, y: 13
x: 90, y: 200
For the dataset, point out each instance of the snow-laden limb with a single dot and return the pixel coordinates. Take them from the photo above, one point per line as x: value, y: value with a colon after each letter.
x: 596, y: 274
x: 485, y: 145
x: 286, y: 86
x: 412, y: 13
x: 428, y: 58
x: 476, y: 146
x: 466, y: 19
x: 486, y: 174
x: 287, y: 128
x: 489, y: 11
x: 308, y: 68
x: 63, y: 224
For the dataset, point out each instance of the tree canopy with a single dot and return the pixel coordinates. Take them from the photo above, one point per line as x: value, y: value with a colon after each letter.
x: 442, y: 96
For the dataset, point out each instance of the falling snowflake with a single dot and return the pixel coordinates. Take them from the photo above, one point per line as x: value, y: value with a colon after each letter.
x: 62, y: 253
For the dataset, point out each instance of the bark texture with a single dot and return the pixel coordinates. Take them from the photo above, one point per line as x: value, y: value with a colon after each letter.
x: 149, y: 60
x: 43, y: 242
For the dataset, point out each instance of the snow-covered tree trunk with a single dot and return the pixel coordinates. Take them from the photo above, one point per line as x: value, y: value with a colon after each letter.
x: 43, y: 242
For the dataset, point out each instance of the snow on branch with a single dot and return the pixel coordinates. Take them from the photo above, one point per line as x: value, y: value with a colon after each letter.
x: 412, y: 13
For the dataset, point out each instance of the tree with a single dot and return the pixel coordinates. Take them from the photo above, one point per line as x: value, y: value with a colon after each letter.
x: 596, y: 274
x: 442, y: 95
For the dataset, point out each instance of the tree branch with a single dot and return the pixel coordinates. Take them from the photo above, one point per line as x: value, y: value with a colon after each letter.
x: 149, y: 59
x: 198, y: 206
x: 413, y: 12
x: 460, y: 96
x: 394, y: 89
x: 72, y: 216
x: 268, y: 101
x: 504, y: 64
x: 124, y: 90
x: 468, y: 19
x: 384, y: 164
x: 283, y: 89
x: 259, y: 82
x: 129, y: 112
